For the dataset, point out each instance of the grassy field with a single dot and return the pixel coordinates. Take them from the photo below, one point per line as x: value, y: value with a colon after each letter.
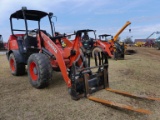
x: 138, y: 73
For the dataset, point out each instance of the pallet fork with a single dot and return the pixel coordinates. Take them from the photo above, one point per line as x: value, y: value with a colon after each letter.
x: 93, y: 82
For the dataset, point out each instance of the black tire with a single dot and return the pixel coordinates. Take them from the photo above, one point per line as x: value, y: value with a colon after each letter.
x: 17, y: 68
x: 39, y: 70
x: 96, y: 49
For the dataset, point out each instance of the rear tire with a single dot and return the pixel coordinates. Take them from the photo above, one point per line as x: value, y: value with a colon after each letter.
x: 39, y: 70
x: 17, y: 69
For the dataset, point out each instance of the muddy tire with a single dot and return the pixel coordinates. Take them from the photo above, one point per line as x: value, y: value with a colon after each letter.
x: 96, y: 49
x: 17, y: 68
x: 39, y: 70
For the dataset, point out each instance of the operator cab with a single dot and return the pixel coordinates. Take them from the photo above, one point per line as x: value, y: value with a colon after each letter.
x: 105, y: 37
x: 88, y: 38
x: 30, y: 21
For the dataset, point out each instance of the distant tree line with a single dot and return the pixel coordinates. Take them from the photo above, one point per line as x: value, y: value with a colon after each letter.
x: 128, y: 40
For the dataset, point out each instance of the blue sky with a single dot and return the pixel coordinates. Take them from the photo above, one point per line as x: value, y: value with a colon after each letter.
x: 105, y: 16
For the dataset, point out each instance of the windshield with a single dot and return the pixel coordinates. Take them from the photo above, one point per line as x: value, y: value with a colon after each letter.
x: 45, y: 25
x: 88, y: 35
x: 19, y: 26
x: 105, y: 38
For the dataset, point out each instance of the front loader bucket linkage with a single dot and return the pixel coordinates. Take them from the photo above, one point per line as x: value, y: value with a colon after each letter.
x: 84, y: 80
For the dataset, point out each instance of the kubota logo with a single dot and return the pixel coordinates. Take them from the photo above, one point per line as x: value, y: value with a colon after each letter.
x: 52, y: 46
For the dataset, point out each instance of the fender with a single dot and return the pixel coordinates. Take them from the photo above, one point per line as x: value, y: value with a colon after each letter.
x: 18, y: 56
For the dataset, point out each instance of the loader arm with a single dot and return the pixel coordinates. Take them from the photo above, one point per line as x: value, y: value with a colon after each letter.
x: 52, y: 48
x: 121, y: 30
x: 76, y: 48
x: 105, y: 46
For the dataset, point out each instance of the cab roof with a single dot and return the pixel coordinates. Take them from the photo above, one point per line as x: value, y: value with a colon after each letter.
x: 29, y: 14
x: 104, y: 35
x: 85, y: 30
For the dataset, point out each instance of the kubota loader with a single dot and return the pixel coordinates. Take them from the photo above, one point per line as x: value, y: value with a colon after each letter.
x: 43, y: 52
x: 112, y: 47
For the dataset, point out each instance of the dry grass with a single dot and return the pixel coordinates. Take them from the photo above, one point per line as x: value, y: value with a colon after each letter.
x: 138, y: 73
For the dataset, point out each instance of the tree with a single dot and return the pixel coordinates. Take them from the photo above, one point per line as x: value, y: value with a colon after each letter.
x: 128, y: 40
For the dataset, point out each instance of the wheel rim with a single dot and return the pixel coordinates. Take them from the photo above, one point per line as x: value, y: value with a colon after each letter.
x: 33, y: 71
x: 12, y: 64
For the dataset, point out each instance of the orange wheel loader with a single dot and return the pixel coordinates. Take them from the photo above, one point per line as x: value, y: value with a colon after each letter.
x: 43, y: 53
x: 111, y: 46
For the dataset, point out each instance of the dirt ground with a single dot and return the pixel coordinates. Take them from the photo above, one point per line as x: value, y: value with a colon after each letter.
x: 138, y: 73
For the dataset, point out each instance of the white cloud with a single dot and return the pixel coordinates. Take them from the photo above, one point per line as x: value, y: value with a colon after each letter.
x: 120, y: 7
x: 82, y: 14
x: 143, y: 32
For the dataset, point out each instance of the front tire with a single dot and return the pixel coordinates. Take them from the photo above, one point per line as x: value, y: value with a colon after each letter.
x: 17, y: 68
x: 39, y: 70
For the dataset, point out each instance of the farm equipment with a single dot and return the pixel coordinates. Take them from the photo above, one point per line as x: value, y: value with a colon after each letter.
x: 112, y: 47
x: 102, y: 44
x: 1, y: 43
x: 156, y: 44
x: 139, y: 43
x: 43, y: 52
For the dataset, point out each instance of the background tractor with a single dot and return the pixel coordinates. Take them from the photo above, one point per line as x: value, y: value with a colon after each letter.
x: 156, y: 43
x: 112, y: 46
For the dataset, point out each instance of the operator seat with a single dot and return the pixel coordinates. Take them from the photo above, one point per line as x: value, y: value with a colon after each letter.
x: 31, y: 44
x: 30, y: 40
